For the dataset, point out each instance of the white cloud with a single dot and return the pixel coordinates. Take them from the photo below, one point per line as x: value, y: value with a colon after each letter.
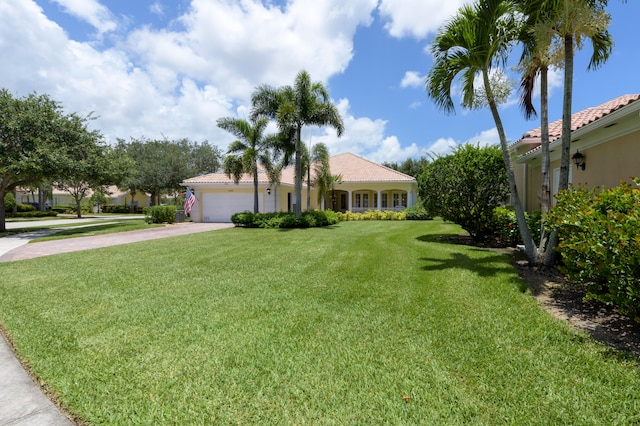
x: 417, y: 18
x: 442, y: 146
x: 412, y: 79
x: 157, y: 8
x: 90, y: 11
x: 363, y: 136
x: 176, y: 83
x: 485, y: 138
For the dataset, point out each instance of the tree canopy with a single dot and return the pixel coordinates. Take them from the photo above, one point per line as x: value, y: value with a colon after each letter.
x: 36, y: 139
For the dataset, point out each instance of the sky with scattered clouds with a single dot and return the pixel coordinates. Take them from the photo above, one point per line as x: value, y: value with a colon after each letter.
x: 169, y: 68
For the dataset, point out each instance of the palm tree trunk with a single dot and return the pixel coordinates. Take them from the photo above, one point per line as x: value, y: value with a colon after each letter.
x: 255, y: 192
x: 298, y: 167
x: 566, y: 112
x: 530, y: 247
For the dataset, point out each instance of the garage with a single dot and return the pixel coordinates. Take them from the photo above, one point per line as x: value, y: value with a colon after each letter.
x: 218, y: 207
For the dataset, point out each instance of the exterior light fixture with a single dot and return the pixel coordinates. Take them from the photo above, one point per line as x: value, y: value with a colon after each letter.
x: 268, y: 191
x: 578, y: 159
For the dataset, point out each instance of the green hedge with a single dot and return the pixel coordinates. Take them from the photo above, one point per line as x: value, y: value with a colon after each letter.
x: 505, y: 226
x: 417, y: 213
x: 599, y: 232
x: 35, y: 213
x: 160, y: 214
x: 116, y: 208
x: 310, y: 219
x: 372, y: 215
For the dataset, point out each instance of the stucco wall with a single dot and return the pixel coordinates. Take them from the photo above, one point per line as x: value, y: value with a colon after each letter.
x: 606, y: 165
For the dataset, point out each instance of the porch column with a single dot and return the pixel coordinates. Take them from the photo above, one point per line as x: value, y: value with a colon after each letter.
x: 379, y: 200
x: 349, y: 201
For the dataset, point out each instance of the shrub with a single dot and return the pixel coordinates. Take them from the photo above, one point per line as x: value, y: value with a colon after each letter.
x: 599, y: 240
x: 465, y: 187
x: 116, y: 208
x: 417, y: 213
x: 505, y: 225
x: 36, y: 213
x: 310, y: 219
x: 9, y: 202
x: 371, y: 215
x: 161, y: 214
x: 21, y: 208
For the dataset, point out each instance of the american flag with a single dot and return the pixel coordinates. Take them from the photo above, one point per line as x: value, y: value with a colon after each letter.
x: 189, y: 201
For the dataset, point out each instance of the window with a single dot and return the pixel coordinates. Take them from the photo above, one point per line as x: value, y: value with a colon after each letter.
x: 556, y: 182
x: 385, y: 200
x: 399, y: 199
x: 361, y: 200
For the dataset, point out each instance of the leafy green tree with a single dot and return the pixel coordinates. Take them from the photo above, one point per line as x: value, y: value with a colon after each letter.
x: 245, y: 154
x: 161, y: 165
x: 465, y: 187
x: 293, y: 107
x: 410, y: 166
x: 475, y: 41
x: 33, y: 142
x: 91, y: 165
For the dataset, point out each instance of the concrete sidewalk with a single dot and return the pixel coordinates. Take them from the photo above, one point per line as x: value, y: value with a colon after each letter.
x: 22, y: 402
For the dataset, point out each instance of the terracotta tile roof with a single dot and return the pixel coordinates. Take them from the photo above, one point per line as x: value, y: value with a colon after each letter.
x: 584, y: 117
x: 353, y: 168
x: 220, y: 177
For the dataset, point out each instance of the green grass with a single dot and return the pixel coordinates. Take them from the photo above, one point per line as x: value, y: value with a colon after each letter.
x: 99, y: 229
x: 361, y: 323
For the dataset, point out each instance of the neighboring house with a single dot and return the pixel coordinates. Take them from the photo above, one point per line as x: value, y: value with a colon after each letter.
x: 365, y: 186
x: 60, y: 197
x: 608, y: 138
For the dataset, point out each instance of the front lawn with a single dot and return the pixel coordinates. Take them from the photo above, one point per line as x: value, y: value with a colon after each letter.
x: 360, y: 323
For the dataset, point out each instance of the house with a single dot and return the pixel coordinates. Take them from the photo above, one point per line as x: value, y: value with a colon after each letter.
x: 59, y: 197
x: 365, y: 185
x: 605, y: 149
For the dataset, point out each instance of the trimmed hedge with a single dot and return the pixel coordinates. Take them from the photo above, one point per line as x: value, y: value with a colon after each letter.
x: 161, y: 214
x: 599, y: 240
x: 372, y: 215
x: 116, y: 208
x: 505, y: 226
x: 35, y: 213
x: 310, y: 219
x: 417, y: 213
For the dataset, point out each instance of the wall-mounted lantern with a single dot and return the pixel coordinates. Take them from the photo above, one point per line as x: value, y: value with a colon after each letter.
x: 578, y: 159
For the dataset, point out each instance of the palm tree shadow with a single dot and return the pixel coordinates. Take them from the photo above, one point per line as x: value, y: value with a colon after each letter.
x: 492, y: 265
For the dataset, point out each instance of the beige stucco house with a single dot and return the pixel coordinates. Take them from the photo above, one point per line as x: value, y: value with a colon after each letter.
x: 365, y: 186
x: 608, y: 138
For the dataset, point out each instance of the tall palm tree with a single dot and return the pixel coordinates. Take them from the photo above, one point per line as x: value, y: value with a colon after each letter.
x: 545, y: 20
x: 305, y: 103
x: 476, y: 40
x: 251, y: 149
x: 570, y: 22
x: 315, y: 157
x: 321, y: 170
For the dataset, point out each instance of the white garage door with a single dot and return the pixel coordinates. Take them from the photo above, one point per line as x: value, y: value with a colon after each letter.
x: 219, y: 207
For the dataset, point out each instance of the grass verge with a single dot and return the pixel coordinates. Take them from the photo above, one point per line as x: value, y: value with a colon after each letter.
x: 360, y: 323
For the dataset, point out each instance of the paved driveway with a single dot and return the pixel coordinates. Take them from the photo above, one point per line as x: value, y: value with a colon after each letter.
x: 16, y: 247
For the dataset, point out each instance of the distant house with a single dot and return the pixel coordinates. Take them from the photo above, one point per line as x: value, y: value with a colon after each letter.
x: 365, y: 186
x: 606, y: 136
x: 59, y: 197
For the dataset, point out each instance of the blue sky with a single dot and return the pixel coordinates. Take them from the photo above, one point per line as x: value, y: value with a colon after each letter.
x: 170, y: 68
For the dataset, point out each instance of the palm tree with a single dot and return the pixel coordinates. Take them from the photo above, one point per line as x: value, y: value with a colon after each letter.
x: 244, y: 154
x: 476, y: 40
x: 544, y: 21
x: 570, y: 22
x: 318, y: 159
x: 303, y: 104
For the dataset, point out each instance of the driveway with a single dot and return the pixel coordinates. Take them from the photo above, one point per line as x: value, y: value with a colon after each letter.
x: 15, y: 247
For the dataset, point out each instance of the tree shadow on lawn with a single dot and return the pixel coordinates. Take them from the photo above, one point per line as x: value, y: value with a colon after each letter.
x: 487, y: 266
